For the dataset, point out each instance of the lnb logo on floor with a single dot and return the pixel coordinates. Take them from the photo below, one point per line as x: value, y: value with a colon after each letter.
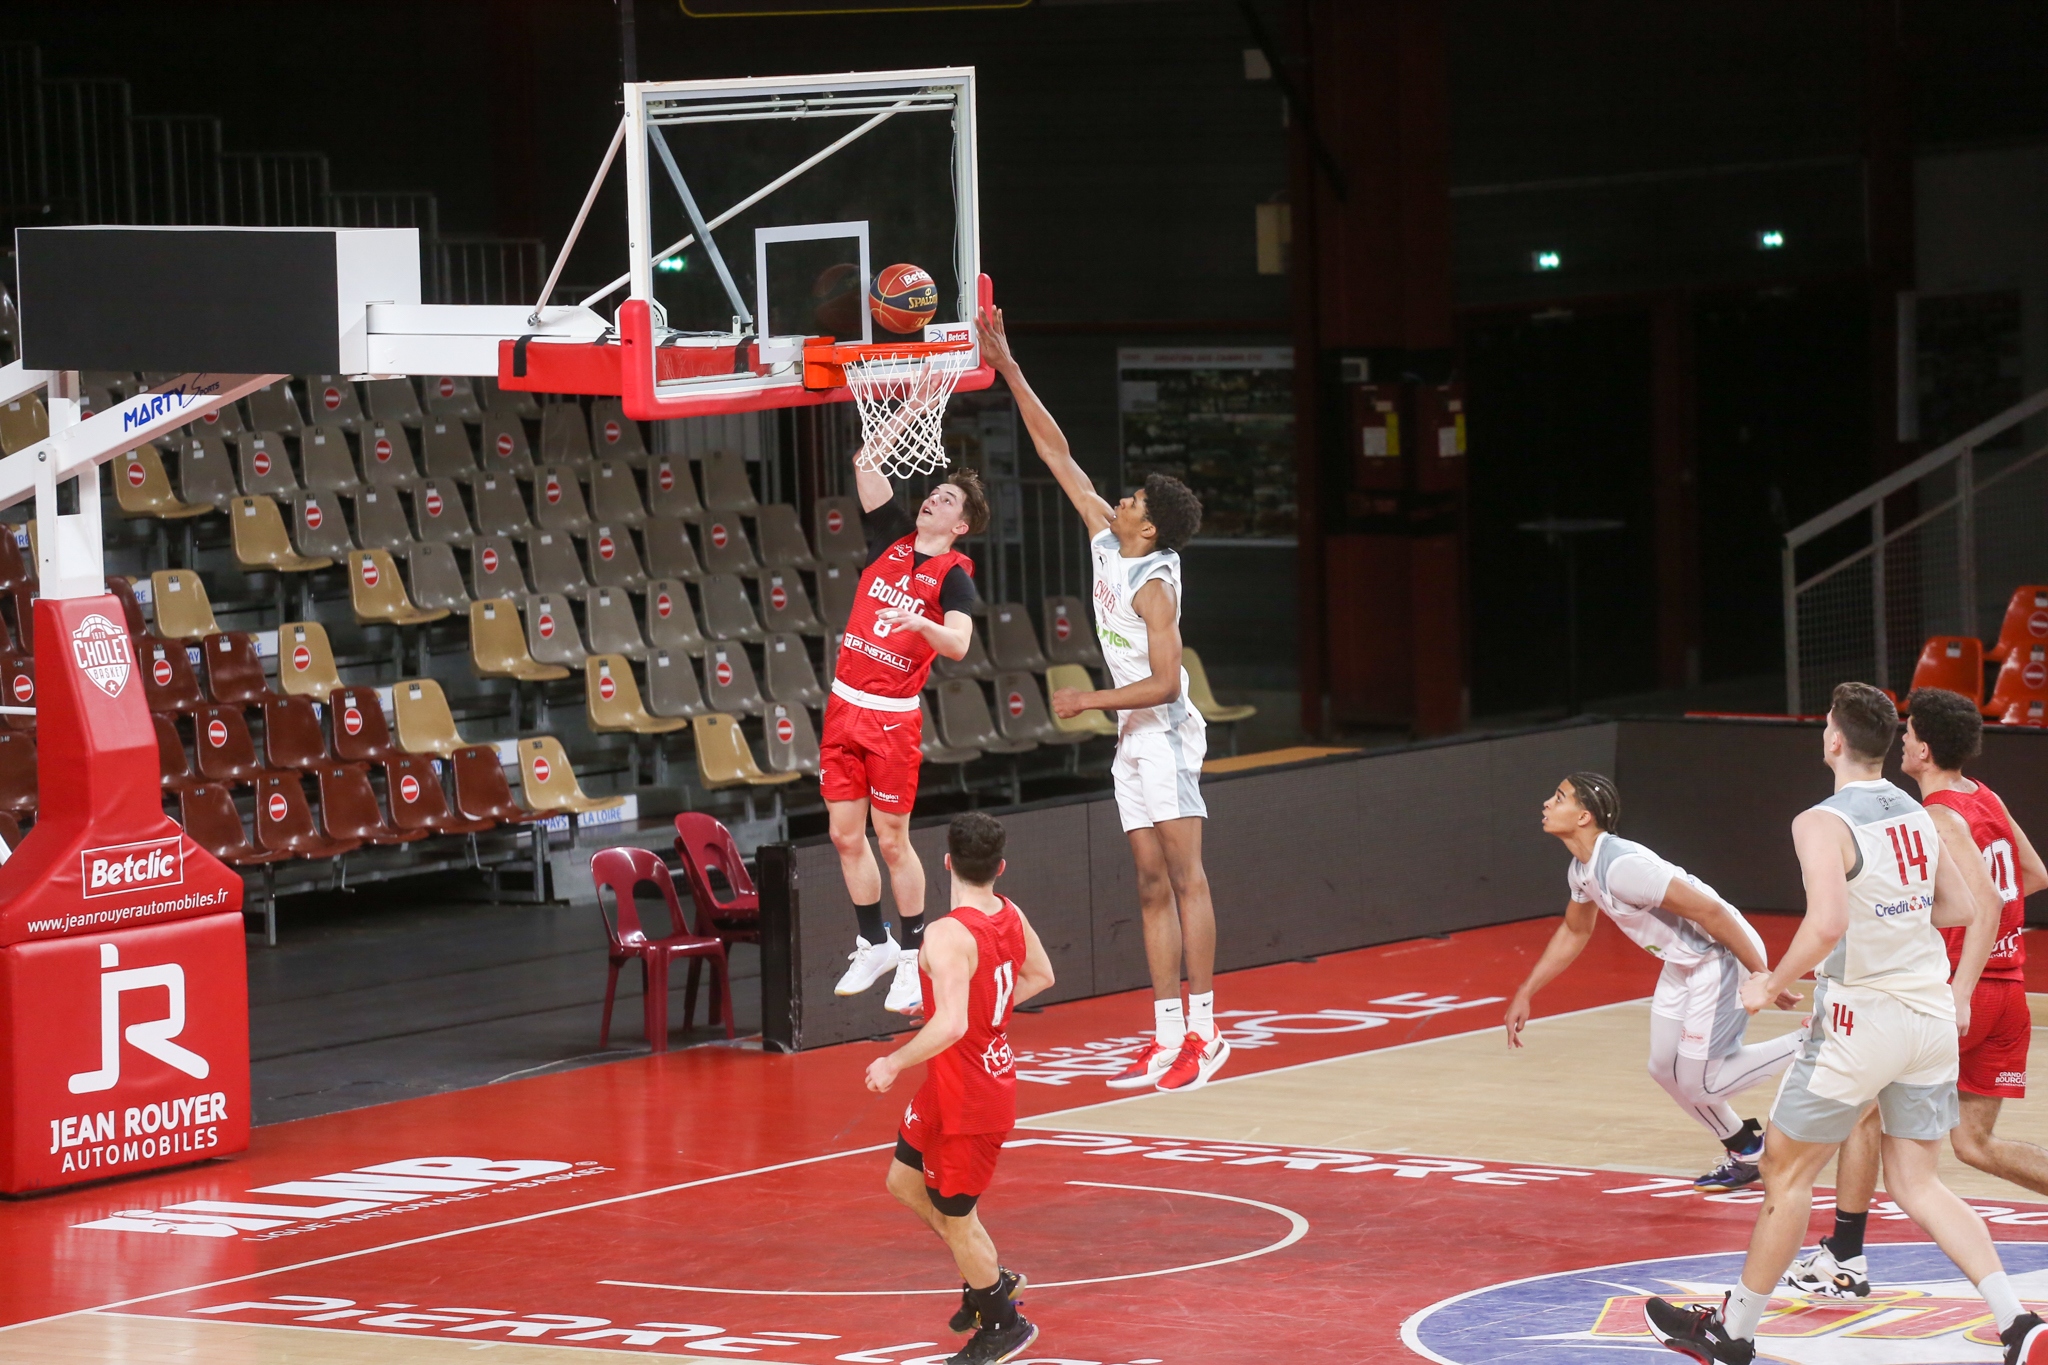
x: 1921, y: 1309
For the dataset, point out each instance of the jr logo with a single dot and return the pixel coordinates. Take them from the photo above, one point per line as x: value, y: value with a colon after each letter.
x: 153, y: 1036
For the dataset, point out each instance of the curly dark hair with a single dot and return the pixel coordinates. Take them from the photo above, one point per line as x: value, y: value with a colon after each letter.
x: 975, y: 840
x: 1173, y: 509
x: 1948, y: 724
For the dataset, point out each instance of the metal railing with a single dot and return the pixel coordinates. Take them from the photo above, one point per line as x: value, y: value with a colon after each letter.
x: 274, y: 189
x: 1974, y: 511
x: 488, y: 269
x: 177, y: 169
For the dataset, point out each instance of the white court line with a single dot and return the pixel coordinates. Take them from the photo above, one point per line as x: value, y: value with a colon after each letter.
x: 1298, y: 1228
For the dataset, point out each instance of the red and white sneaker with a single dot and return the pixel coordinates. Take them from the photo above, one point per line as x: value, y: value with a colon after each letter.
x: 1196, y: 1063
x: 1145, y: 1069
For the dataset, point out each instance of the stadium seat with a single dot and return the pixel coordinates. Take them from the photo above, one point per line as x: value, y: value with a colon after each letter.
x: 349, y: 809
x: 614, y: 562
x: 2031, y: 711
x: 840, y: 539
x: 671, y: 620
x: 393, y: 402
x: 785, y: 606
x: 18, y: 686
x: 320, y: 530
x: 564, y: 439
x: 726, y: 548
x: 500, y: 510
x: 143, y: 489
x: 331, y: 399
x: 435, y: 578
x: 507, y: 403
x: 966, y: 724
x: 274, y: 408
x: 451, y: 396
x: 438, y: 514
x: 378, y: 594
x: 131, y: 609
x: 558, y: 501
x: 1012, y: 643
x: 207, y: 811
x: 615, y: 494
x: 728, y: 615
x: 169, y: 686
x: 974, y: 663
x: 445, y: 452
x: 1021, y: 712
x: 1088, y: 722
x: 506, y: 453
x: 672, y: 688
x: 182, y: 611
x: 481, y: 792
x: 425, y: 724
x: 292, y: 737
x: 621, y: 871
x: 611, y: 699
x: 387, y: 460
x: 206, y: 472
x: 2025, y: 623
x: 265, y: 466
x: 934, y: 746
x: 23, y: 422
x: 224, y: 421
x: 1070, y: 633
x: 791, y: 679
x: 549, y: 782
x: 2023, y: 677
x: 497, y: 645
x: 555, y: 566
x: 669, y: 551
x: 174, y: 764
x: 837, y: 586
x: 18, y: 774
x: 257, y: 532
x: 706, y: 849
x: 226, y: 752
x: 725, y: 761
x: 15, y: 571
x: 359, y: 733
x: 1204, y: 698
x: 790, y: 740
x: 327, y: 463
x: 613, y: 435
x: 305, y: 661
x: 729, y: 683
x: 284, y: 822
x: 611, y: 625
x: 782, y: 538
x: 672, y: 490
x: 234, y: 670
x: 726, y: 486
x: 419, y: 802
x: 494, y: 569
x: 1953, y: 662
x: 551, y: 634
x: 380, y: 520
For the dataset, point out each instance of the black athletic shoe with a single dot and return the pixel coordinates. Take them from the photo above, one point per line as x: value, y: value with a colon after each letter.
x: 1697, y: 1332
x: 2026, y: 1341
x: 993, y: 1345
x: 966, y: 1320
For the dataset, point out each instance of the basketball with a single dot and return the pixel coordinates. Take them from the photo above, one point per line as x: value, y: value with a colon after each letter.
x: 835, y: 300
x: 903, y: 298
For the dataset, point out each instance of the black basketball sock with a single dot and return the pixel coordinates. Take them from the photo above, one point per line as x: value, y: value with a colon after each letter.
x: 1846, y: 1241
x: 997, y: 1309
x: 870, y: 918
x: 910, y: 932
x: 1747, y: 1140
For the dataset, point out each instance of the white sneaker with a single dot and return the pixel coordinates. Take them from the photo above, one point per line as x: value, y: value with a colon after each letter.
x: 906, y: 992
x: 871, y: 962
x: 1819, y: 1273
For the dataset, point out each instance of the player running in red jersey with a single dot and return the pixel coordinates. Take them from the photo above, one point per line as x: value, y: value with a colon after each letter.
x: 1943, y: 732
x: 911, y: 605
x: 977, y: 965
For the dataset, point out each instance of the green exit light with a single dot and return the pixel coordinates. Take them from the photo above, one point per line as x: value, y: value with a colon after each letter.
x: 672, y: 265
x: 1546, y: 260
x: 1770, y: 239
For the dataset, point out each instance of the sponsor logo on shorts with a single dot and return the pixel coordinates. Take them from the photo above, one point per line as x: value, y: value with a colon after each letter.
x: 887, y: 798
x: 2011, y: 1078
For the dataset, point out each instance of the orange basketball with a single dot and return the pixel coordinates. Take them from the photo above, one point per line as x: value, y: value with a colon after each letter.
x: 835, y: 299
x: 903, y: 298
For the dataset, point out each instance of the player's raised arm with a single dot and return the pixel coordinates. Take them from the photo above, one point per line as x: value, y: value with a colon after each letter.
x: 1045, y: 432
x: 1155, y: 603
x: 1826, y: 849
x: 1036, y: 975
x: 1569, y: 940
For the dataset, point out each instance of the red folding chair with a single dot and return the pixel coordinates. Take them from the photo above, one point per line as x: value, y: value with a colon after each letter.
x: 705, y: 846
x: 622, y: 870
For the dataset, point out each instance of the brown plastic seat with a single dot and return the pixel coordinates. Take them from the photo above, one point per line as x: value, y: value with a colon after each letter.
x: 840, y: 539
x: 418, y: 801
x: 494, y: 570
x: 791, y: 741
x: 174, y: 764
x: 613, y: 435
x: 142, y: 488
x: 18, y: 686
x: 1012, y: 643
x: 438, y: 514
x: 670, y: 552
x: 671, y: 620
x: 726, y: 547
x: 380, y: 520
x: 555, y: 566
x: 425, y: 724
x: 182, y: 611
x: 349, y: 811
x: 393, y: 400
x: 611, y: 624
x: 497, y: 645
x: 781, y: 538
x: 558, y: 500
x: 549, y: 782
x: 729, y: 682
x: 123, y: 590
x: 837, y: 586
x: 265, y: 467
x: 305, y: 661
x: 329, y: 465
x: 284, y: 822
x: 611, y: 699
x: 724, y: 759
x: 451, y: 396
x: 1070, y: 633
x: 206, y: 471
x: 1022, y: 713
x: 170, y: 686
x: 506, y: 454
x: 672, y: 688
x: 234, y: 670
x: 435, y: 578
x: 785, y: 606
x: 726, y: 485
x: 359, y: 732
x: 615, y: 494
x: 292, y: 736
x: 791, y: 680
x: 551, y: 633
x: 672, y: 489
x: 387, y: 460
x: 377, y: 593
x: 614, y: 561
x: 226, y: 752
x: 319, y: 528
x: 933, y: 747
x: 500, y: 509
x: 966, y: 724
x: 207, y: 811
x: 17, y: 774
x: 481, y: 792
x: 975, y: 663
x: 445, y: 450
x: 332, y: 398
x: 564, y: 434
x: 274, y: 407
x: 728, y: 615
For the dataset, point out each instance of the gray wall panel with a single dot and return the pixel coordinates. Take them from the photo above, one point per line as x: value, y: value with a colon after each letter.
x: 1119, y: 937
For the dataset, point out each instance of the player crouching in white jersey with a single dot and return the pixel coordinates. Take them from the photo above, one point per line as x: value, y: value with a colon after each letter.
x: 1884, y: 1029
x: 1707, y: 948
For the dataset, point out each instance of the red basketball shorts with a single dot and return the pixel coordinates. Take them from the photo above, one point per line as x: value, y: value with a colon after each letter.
x: 1994, y: 1051
x: 955, y: 1164
x: 870, y: 755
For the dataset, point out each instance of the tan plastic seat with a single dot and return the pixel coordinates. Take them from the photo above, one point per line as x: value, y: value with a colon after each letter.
x: 551, y: 634
x: 387, y: 459
x: 274, y: 407
x: 558, y: 500
x: 380, y: 519
x: 497, y: 645
x: 425, y: 724
x: 838, y: 584
x: 1204, y: 697
x: 726, y: 485
x: 450, y: 396
x: 377, y: 593
x: 143, y: 489
x: 435, y: 578
x: 840, y: 539
x: 331, y: 399
x: 555, y: 566
x: 670, y: 553
x: 672, y: 489
x: 564, y: 439
x: 500, y: 509
x: 261, y: 542
x: 612, y: 625
x: 23, y: 422
x: 319, y: 527
x: 206, y: 472
x: 611, y: 699
x: 781, y: 538
x: 494, y: 569
x: 1090, y: 723
x: 790, y: 740
x: 966, y: 723
x: 1070, y: 633
x: 182, y: 611
x: 672, y: 688
x: 791, y: 679
x: 444, y: 450
x: 1022, y: 712
x: 305, y: 661
x: 785, y: 606
x: 438, y: 514
x: 726, y: 547
x: 724, y: 760
x: 265, y: 466
x: 325, y: 459
x: 729, y: 683
x: 549, y: 782
x: 935, y: 748
x: 615, y: 494
x: 506, y: 454
x: 393, y: 402
x: 728, y: 615
x: 1012, y: 643
x: 613, y: 435
x: 614, y: 560
x: 671, y: 620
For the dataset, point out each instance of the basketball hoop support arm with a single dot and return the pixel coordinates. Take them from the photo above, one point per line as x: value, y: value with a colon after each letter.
x: 576, y: 229
x: 703, y: 233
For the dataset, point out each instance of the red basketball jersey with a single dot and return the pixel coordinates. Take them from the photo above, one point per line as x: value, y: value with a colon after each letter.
x: 894, y: 663
x: 1992, y: 830
x: 972, y: 1085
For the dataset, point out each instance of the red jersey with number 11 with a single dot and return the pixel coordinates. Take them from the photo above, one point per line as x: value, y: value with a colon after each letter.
x: 1991, y: 828
x: 971, y: 1087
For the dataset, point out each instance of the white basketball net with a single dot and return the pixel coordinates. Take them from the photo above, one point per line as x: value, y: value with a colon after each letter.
x: 902, y: 401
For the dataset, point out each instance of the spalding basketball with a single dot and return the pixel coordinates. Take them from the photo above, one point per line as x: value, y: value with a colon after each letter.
x: 903, y: 298
x: 835, y: 301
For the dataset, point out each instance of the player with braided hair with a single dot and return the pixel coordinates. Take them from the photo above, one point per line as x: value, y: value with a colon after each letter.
x: 1708, y: 951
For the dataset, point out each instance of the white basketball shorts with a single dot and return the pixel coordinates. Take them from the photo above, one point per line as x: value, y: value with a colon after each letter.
x: 1158, y: 775
x: 1864, y: 1045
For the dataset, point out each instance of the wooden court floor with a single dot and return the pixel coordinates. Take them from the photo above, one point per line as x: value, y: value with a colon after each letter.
x: 1375, y: 1174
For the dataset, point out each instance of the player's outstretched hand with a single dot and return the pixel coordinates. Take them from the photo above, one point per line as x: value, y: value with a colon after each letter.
x: 1066, y: 702
x: 882, y: 1073
x: 995, y: 342
x: 1517, y: 1015
x: 1789, y: 999
x: 1753, y: 996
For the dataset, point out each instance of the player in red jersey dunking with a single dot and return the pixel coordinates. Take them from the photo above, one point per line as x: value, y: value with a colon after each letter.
x: 1943, y: 732
x: 977, y: 965
x: 910, y: 606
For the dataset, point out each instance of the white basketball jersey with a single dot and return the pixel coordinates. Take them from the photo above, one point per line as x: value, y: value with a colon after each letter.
x: 1629, y: 882
x: 1891, y: 944
x: 1126, y: 644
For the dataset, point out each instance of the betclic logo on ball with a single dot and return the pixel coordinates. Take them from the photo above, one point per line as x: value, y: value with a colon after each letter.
x: 117, y: 869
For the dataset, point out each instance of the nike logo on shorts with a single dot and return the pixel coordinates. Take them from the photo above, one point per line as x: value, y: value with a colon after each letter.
x: 897, y: 726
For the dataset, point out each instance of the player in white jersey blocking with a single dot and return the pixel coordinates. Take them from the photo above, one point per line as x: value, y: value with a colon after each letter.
x: 1708, y: 950
x: 1884, y: 1029
x: 1161, y: 737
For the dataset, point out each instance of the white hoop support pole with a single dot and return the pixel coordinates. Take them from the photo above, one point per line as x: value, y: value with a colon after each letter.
x: 562, y: 257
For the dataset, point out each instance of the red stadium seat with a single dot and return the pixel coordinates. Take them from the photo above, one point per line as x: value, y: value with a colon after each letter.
x: 413, y: 791
x: 705, y: 847
x: 172, y: 760
x: 361, y: 734
x: 2026, y: 621
x: 349, y: 809
x: 131, y: 608
x: 234, y: 670
x: 2026, y: 711
x: 207, y: 810
x: 1953, y: 662
x: 481, y: 792
x: 17, y: 774
x: 226, y: 752
x: 2022, y: 678
x: 168, y: 683
x: 284, y: 822
x: 292, y: 737
x: 18, y: 686
x: 621, y: 870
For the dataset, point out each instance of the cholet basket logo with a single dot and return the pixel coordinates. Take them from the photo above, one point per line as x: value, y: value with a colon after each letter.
x: 102, y: 651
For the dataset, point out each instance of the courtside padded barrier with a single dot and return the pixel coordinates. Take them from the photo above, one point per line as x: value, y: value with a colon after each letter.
x: 124, y: 1019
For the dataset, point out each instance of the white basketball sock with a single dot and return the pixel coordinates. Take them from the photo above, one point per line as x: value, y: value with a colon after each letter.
x: 1202, y: 1014
x: 1168, y: 1024
x: 1744, y: 1310
x: 2000, y: 1298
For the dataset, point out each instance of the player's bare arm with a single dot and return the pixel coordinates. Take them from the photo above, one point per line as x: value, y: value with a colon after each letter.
x: 1566, y: 943
x: 1036, y: 973
x: 949, y: 958
x: 2033, y: 873
x: 1826, y: 852
x: 1965, y: 897
x: 950, y: 637
x: 1687, y: 902
x: 874, y: 489
x: 1046, y: 435
x: 1155, y: 603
